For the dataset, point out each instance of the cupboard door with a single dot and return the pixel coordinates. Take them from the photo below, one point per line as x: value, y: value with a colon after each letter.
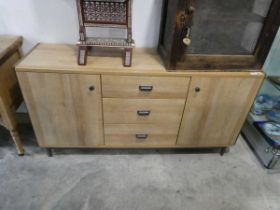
x: 65, y: 109
x: 216, y: 109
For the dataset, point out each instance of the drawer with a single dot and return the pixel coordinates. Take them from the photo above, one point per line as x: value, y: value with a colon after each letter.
x: 152, y: 135
x: 144, y: 87
x: 126, y: 111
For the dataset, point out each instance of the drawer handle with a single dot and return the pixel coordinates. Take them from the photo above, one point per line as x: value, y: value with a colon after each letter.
x: 143, y: 112
x: 146, y: 88
x: 142, y: 136
x: 197, y: 89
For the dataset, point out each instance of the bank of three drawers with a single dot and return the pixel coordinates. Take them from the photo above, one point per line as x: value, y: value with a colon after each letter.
x: 143, y: 111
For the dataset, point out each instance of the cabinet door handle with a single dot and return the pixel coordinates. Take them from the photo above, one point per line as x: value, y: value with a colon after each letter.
x: 91, y: 88
x: 146, y: 88
x: 197, y: 89
x: 143, y: 112
x: 141, y: 136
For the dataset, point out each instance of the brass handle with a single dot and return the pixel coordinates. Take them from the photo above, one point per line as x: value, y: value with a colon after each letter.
x: 141, y: 136
x: 143, y: 112
x: 146, y: 88
x: 91, y: 88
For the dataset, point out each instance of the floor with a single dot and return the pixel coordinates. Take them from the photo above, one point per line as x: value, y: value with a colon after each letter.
x: 134, y: 179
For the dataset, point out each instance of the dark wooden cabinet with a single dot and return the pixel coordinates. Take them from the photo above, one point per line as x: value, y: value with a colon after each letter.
x: 213, y: 34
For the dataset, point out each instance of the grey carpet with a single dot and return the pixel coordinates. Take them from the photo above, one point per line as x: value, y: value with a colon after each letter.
x: 134, y: 179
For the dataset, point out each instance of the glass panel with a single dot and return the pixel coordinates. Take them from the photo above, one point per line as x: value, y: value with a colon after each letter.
x: 227, y: 26
x: 272, y: 63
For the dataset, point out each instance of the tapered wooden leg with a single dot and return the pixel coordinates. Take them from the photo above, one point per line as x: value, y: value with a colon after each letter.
x: 127, y: 58
x: 17, y: 142
x: 82, y: 55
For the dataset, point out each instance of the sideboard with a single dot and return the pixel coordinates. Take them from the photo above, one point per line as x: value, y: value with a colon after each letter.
x: 104, y: 105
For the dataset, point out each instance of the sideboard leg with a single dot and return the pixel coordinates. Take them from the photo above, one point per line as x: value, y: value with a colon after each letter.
x: 223, y: 151
x: 49, y: 152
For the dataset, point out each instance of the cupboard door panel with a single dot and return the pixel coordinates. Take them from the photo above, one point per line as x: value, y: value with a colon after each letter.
x: 216, y: 108
x: 65, y: 109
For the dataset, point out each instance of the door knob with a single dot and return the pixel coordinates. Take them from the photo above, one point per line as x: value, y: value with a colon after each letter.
x: 91, y: 88
x: 197, y: 89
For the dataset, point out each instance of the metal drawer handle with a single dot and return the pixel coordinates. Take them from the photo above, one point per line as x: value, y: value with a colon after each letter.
x: 146, y: 88
x: 143, y: 112
x: 142, y: 136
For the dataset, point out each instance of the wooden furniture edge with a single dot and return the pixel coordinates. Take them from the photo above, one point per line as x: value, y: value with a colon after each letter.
x: 228, y: 62
x: 11, y: 49
x: 216, y: 73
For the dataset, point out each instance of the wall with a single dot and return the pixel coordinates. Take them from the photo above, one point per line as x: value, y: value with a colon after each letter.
x: 56, y: 21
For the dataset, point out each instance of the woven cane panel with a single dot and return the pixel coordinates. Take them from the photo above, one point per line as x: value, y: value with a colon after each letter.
x: 105, y: 12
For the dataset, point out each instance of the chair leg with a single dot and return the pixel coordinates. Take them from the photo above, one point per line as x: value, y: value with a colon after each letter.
x: 17, y: 141
x: 127, y: 58
x: 82, y: 55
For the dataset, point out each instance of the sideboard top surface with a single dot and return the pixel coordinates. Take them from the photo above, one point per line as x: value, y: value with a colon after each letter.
x: 63, y: 59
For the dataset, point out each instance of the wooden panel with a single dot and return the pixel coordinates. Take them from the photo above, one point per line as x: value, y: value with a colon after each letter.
x: 125, y: 111
x: 9, y: 45
x: 227, y: 62
x: 125, y: 134
x: 64, y: 112
x: 214, y: 115
x: 8, y: 81
x: 269, y: 31
x: 128, y: 87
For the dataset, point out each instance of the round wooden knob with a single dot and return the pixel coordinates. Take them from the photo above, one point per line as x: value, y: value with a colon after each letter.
x: 91, y: 88
x: 197, y: 89
x: 187, y: 41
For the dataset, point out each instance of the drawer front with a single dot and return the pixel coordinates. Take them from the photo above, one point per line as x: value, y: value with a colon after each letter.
x: 144, y: 87
x: 152, y: 135
x: 127, y: 111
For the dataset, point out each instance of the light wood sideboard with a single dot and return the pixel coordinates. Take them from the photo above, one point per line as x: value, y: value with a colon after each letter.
x: 104, y: 105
